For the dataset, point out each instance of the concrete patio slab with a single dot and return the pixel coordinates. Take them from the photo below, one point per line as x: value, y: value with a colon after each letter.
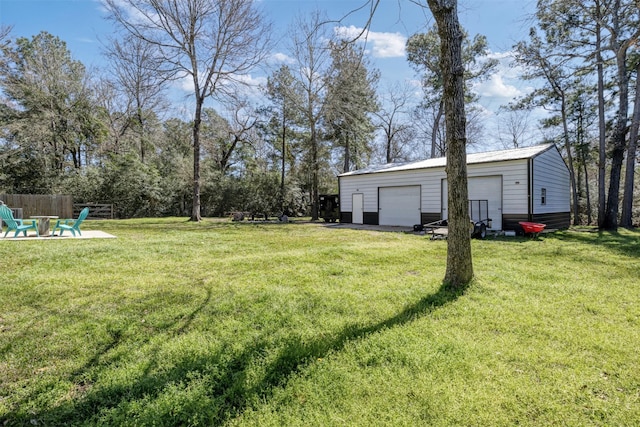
x: 86, y: 234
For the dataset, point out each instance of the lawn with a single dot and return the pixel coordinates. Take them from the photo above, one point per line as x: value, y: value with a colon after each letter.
x: 220, y: 323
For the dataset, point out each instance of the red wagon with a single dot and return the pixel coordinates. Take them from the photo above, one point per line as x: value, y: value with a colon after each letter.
x: 533, y: 228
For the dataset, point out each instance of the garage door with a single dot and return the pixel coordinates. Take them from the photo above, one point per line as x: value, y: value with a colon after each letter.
x: 399, y: 205
x: 482, y: 188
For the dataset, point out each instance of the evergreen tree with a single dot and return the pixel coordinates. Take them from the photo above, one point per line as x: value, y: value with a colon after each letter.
x: 351, y: 101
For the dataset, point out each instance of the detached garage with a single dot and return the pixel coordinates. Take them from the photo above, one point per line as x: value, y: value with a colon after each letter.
x: 525, y: 184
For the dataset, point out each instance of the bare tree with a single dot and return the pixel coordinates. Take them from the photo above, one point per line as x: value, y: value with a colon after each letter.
x: 311, y: 53
x: 513, y: 127
x: 393, y: 119
x: 114, y: 108
x: 225, y: 134
x: 4, y: 34
x: 213, y: 43
x: 430, y: 130
x: 137, y: 75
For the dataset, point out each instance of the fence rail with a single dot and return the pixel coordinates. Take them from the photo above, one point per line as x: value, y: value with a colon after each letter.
x: 40, y: 204
x: 96, y: 210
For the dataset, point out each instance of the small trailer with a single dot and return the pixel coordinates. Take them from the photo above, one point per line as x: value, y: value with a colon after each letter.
x: 440, y: 229
x: 478, y: 212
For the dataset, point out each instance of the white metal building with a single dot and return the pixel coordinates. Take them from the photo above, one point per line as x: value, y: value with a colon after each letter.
x: 524, y: 184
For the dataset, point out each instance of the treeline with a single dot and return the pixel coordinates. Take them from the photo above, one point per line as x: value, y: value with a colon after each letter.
x: 585, y: 54
x: 105, y: 139
x: 112, y: 136
x: 109, y: 136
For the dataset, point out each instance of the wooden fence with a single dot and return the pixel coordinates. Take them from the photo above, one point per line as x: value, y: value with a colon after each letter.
x: 59, y: 205
x: 96, y: 210
x: 40, y: 204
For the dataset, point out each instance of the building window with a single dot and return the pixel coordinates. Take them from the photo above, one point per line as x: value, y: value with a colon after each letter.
x: 543, y: 196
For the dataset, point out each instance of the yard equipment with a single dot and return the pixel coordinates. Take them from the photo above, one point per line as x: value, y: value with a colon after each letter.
x: 533, y: 228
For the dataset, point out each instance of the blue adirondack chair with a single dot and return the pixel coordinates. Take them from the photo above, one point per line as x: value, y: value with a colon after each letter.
x: 17, y: 225
x: 71, y: 225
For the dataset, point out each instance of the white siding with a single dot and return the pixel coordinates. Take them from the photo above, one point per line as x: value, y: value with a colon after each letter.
x: 432, y: 189
x: 364, y: 184
x: 514, y: 181
x: 487, y: 188
x: 368, y: 184
x: 548, y: 171
x: 515, y: 197
x: 551, y: 173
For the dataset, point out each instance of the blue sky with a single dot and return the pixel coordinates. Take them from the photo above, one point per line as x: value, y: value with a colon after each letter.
x: 81, y: 24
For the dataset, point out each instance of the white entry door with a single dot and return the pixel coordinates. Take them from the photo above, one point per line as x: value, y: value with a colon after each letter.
x: 357, y: 208
x: 487, y: 188
x: 399, y: 205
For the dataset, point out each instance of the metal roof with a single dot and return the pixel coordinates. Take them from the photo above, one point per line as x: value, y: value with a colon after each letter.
x: 473, y: 158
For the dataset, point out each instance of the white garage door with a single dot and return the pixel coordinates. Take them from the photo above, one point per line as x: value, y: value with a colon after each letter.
x: 399, y: 205
x: 482, y: 188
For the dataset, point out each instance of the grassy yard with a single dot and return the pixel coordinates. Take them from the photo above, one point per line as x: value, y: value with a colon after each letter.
x: 219, y: 323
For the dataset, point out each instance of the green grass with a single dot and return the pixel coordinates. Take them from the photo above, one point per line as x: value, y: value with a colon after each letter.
x: 219, y: 323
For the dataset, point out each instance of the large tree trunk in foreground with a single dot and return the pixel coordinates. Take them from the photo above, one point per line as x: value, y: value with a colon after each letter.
x: 459, y: 264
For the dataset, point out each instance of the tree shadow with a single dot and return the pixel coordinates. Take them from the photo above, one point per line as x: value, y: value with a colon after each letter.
x: 231, y: 389
x: 626, y: 243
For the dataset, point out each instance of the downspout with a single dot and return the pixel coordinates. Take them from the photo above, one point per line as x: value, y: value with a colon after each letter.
x: 530, y: 190
x: 339, y: 200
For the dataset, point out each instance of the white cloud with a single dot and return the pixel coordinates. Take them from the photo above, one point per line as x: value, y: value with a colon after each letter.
x: 251, y: 81
x: 498, y: 88
x: 249, y: 84
x: 506, y: 83
x: 282, y: 58
x: 185, y: 83
x: 382, y: 45
x: 134, y: 15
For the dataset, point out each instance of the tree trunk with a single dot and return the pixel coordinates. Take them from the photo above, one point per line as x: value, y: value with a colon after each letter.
x: 141, y: 124
x: 389, y: 142
x: 627, y: 200
x: 195, y: 211
x: 459, y: 264
x: 572, y: 170
x: 602, y: 146
x: 434, y: 131
x: 315, y: 167
x: 619, y: 143
x: 284, y: 156
x: 587, y: 191
x: 347, y: 154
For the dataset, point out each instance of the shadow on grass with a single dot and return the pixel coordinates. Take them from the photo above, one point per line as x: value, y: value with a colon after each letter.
x: 624, y: 242
x: 227, y: 378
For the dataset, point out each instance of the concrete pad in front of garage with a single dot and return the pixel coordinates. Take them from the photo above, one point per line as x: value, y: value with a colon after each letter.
x: 388, y: 228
